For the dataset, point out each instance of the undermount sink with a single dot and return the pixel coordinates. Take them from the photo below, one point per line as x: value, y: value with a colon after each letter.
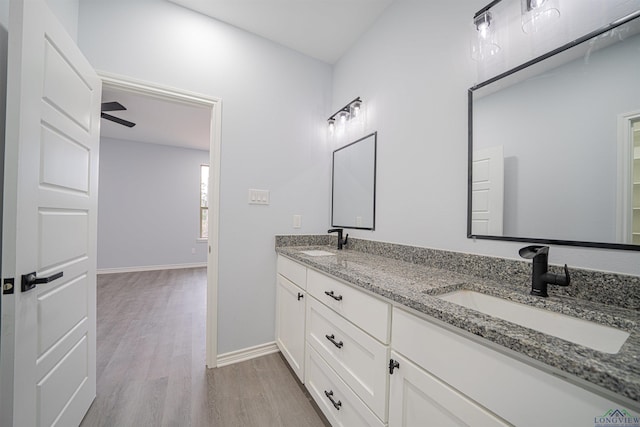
x: 316, y: 252
x: 589, y: 334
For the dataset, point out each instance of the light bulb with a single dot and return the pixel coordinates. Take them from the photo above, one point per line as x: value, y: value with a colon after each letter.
x: 332, y: 126
x: 343, y: 116
x: 355, y: 109
x: 483, y: 22
x: 534, y: 4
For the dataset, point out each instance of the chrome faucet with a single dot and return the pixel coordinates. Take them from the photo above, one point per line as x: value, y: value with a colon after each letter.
x: 340, y: 241
x: 541, y: 277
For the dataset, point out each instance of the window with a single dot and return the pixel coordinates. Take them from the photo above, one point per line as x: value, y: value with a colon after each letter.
x: 204, y: 201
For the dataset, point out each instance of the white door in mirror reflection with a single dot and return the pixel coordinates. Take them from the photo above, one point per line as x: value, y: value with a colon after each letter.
x: 487, y: 191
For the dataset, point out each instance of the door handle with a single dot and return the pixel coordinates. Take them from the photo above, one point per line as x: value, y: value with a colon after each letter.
x: 29, y: 281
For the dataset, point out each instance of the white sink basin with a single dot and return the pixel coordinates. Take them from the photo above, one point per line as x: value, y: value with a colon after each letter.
x: 315, y: 252
x: 578, y: 331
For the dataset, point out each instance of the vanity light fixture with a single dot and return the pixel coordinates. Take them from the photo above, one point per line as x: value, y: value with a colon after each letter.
x: 482, y: 23
x: 485, y: 43
x: 332, y: 126
x: 350, y: 111
x: 537, y: 14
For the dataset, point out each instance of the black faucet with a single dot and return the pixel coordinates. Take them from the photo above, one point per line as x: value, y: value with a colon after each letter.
x: 340, y: 241
x: 541, y: 276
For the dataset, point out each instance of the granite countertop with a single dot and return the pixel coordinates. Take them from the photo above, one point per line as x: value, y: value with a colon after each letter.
x: 415, y: 286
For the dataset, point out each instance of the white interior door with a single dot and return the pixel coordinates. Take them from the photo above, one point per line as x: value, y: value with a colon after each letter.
x: 487, y: 189
x: 47, y: 363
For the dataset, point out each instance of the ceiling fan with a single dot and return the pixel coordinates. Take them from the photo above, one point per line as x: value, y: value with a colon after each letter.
x: 114, y: 106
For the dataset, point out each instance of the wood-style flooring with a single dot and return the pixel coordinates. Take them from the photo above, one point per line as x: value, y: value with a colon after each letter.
x: 151, y: 362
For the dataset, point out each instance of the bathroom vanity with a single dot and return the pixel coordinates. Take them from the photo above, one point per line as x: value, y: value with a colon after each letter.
x: 375, y: 345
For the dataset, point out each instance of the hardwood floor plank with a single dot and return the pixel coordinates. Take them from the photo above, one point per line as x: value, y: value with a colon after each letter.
x: 151, y: 362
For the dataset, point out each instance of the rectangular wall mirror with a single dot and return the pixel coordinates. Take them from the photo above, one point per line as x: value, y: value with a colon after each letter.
x: 353, y: 201
x: 554, y: 151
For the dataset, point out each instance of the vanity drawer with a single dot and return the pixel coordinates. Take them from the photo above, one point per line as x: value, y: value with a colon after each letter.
x: 359, y: 359
x: 324, y: 384
x: 365, y: 311
x: 292, y: 271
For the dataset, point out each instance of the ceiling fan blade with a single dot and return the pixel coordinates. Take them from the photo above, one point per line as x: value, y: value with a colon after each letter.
x: 117, y: 120
x: 112, y: 106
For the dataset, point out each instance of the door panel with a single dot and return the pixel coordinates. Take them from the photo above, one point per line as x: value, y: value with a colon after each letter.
x: 55, y: 323
x: 62, y: 237
x: 487, y: 201
x: 57, y: 151
x: 47, y: 365
x: 65, y: 380
x: 65, y: 89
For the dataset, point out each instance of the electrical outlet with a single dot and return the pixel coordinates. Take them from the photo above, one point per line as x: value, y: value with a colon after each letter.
x: 258, y: 197
x: 297, y: 221
x: 193, y: 250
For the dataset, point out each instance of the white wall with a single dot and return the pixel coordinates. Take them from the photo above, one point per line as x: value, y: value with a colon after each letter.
x: 148, y: 205
x: 413, y: 69
x: 67, y: 13
x: 274, y: 106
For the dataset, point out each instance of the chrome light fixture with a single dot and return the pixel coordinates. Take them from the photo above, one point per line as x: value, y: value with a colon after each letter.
x: 537, y: 14
x: 350, y: 111
x: 485, y: 44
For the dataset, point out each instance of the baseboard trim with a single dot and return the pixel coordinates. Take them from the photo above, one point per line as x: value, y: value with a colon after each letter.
x: 246, y: 354
x: 150, y: 268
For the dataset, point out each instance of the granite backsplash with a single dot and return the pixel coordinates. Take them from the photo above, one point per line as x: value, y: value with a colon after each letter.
x: 602, y: 287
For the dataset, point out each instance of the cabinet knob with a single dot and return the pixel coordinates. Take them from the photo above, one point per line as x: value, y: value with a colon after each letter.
x: 393, y: 364
x: 300, y: 296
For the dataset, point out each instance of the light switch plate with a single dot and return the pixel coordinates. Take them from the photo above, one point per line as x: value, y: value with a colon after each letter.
x: 258, y: 197
x: 297, y: 221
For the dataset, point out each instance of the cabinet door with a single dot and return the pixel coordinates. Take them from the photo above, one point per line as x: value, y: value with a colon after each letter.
x: 290, y: 324
x: 417, y: 398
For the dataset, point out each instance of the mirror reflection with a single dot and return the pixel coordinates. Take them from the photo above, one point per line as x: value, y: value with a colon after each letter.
x: 354, y: 184
x: 554, y: 150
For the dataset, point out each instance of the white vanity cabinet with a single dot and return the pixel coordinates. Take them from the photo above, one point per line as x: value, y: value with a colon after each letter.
x: 465, y: 377
x: 291, y: 300
x: 341, y: 341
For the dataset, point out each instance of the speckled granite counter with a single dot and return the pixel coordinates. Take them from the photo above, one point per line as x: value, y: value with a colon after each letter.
x: 415, y: 285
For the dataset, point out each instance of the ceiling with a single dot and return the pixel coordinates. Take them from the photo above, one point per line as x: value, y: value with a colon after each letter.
x: 158, y: 120
x: 322, y: 29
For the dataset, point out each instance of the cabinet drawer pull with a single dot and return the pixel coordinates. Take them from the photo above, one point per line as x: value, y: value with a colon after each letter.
x: 300, y: 296
x: 332, y: 295
x: 337, y: 404
x: 332, y: 338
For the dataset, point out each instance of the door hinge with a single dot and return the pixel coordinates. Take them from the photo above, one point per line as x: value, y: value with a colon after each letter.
x: 7, y: 286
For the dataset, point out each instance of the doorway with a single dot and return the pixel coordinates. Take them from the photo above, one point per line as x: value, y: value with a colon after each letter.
x: 212, y: 107
x: 628, y: 194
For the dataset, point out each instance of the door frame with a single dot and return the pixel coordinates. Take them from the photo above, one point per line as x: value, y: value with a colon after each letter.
x: 129, y: 84
x: 625, y: 170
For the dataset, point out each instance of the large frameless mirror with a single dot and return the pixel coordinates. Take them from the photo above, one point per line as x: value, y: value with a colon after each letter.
x: 554, y: 146
x: 354, y: 185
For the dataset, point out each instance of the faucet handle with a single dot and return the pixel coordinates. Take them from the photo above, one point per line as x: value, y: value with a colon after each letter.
x: 567, y: 277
